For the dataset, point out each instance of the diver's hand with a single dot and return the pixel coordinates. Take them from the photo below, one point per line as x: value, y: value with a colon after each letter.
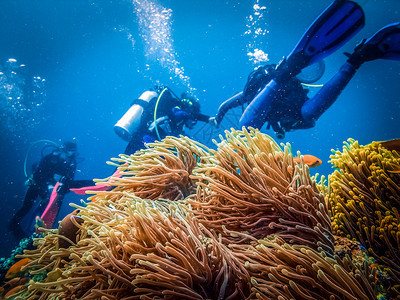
x: 213, y: 121
x: 29, y: 182
x: 363, y: 52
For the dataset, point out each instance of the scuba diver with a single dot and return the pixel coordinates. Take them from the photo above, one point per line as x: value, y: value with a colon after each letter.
x: 156, y: 114
x: 51, y: 180
x: 275, y: 95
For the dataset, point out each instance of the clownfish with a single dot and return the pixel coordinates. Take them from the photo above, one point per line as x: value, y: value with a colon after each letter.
x: 309, y: 160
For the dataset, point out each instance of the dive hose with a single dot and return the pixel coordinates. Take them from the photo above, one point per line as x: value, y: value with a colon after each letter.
x: 29, y: 151
x: 155, y: 113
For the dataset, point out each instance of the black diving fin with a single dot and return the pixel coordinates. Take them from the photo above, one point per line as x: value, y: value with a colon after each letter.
x: 386, y: 42
x: 332, y: 29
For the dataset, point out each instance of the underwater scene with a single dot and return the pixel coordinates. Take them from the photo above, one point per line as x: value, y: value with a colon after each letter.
x: 160, y: 149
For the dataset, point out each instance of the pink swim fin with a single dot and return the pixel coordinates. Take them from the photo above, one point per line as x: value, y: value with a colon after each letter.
x: 82, y: 190
x: 53, y: 207
x: 98, y: 187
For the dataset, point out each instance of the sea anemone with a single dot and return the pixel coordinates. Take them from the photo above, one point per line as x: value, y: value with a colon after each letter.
x: 161, y: 171
x: 143, y: 248
x: 364, y: 199
x: 251, y: 185
x: 283, y: 271
x: 204, y: 231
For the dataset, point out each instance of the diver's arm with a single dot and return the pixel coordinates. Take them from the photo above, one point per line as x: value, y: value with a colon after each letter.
x: 256, y: 112
x: 232, y: 102
x: 327, y: 95
x: 75, y: 184
x: 179, y: 114
x: 202, y: 118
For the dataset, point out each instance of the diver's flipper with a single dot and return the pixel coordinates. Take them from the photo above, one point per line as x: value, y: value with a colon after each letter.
x: 103, y: 186
x: 92, y: 188
x: 386, y: 42
x: 53, y: 207
x: 331, y: 30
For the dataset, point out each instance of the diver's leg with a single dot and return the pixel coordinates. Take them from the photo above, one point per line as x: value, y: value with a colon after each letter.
x: 384, y: 44
x: 257, y: 111
x: 313, y: 108
x: 14, y: 224
x: 75, y: 184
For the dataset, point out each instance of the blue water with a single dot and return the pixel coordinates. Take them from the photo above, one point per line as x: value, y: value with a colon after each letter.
x: 94, y: 57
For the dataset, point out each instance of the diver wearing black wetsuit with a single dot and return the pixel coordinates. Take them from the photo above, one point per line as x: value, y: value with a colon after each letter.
x: 58, y: 166
x: 172, y: 115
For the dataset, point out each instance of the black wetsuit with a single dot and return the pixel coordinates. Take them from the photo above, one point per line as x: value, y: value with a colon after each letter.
x: 175, y: 115
x: 54, y: 167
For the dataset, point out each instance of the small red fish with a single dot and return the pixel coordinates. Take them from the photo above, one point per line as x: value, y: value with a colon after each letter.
x: 16, y: 268
x: 309, y: 160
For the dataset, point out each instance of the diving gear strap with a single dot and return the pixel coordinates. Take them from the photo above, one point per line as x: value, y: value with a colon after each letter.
x: 30, y: 149
x: 155, y: 112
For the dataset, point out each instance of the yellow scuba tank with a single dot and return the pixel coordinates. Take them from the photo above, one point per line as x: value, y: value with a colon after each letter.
x: 130, y: 121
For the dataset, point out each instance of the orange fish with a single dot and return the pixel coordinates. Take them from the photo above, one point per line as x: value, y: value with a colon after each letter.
x: 309, y: 160
x: 16, y: 268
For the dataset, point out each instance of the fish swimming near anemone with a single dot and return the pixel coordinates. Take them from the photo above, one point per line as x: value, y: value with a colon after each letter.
x: 309, y: 160
x: 17, y: 268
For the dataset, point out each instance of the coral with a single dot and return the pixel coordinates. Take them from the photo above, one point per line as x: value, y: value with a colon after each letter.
x: 143, y: 248
x: 162, y: 171
x: 364, y: 198
x: 252, y: 185
x: 6, y: 263
x: 283, y: 271
x: 187, y: 222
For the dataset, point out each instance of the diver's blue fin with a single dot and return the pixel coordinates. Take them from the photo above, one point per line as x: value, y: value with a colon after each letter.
x: 387, y: 42
x: 331, y: 30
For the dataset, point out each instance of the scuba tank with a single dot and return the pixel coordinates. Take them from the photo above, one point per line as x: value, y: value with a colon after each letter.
x: 131, y: 120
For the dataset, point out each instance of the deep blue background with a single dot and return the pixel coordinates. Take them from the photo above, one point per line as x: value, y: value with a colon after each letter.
x: 93, y: 73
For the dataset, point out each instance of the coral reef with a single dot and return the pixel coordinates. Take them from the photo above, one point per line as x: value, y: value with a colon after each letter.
x: 283, y: 271
x: 163, y: 171
x: 364, y: 200
x: 138, y: 247
x: 251, y: 185
x: 244, y: 221
x: 364, y: 197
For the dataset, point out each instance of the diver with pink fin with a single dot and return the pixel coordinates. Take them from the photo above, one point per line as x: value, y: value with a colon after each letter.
x: 51, y: 180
